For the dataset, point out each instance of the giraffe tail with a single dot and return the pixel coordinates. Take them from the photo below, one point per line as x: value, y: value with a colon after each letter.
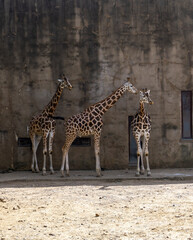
x: 27, y: 129
x: 57, y: 118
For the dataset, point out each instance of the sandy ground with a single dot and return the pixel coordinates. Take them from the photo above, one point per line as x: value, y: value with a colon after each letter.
x: 97, y: 210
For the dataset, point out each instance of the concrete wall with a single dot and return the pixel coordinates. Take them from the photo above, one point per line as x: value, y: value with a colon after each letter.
x: 97, y: 44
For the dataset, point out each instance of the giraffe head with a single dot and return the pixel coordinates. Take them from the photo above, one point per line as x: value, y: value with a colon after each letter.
x: 64, y: 82
x: 145, y: 96
x: 129, y: 87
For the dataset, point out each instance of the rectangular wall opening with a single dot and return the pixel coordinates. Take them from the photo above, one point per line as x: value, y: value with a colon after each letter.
x: 82, y: 142
x: 24, y: 142
x: 186, y: 105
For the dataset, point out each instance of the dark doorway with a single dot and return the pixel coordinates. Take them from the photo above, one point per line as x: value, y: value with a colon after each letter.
x: 186, y: 103
x: 132, y: 145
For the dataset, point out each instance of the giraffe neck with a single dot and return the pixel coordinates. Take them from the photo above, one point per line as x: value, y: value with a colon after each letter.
x: 141, y: 109
x: 103, y: 106
x: 51, y: 107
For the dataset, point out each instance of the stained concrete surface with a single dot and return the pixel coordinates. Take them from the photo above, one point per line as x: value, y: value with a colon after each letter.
x: 115, y: 175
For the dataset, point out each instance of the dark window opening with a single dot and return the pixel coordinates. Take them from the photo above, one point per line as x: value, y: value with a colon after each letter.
x: 186, y: 104
x: 24, y: 142
x: 84, y: 141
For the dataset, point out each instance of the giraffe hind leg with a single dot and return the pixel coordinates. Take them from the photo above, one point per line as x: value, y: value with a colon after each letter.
x: 35, y: 142
x: 67, y: 166
x: 65, y: 150
x: 65, y: 162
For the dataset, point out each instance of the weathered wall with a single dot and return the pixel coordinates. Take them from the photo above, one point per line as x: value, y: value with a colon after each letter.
x: 97, y: 44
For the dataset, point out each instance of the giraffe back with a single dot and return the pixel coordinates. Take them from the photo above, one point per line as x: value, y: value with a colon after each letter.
x: 84, y: 124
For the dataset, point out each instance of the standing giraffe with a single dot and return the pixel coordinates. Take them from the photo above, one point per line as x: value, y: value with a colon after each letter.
x: 43, y: 125
x: 89, y: 122
x: 141, y: 127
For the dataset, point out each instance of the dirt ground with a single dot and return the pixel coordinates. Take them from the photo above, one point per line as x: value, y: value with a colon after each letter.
x: 97, y: 210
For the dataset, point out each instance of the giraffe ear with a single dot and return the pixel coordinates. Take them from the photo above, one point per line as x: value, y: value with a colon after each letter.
x: 62, y: 76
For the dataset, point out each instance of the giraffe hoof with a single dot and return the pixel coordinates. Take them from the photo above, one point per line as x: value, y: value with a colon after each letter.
x: 142, y: 172
x: 137, y: 174
x: 44, y: 173
x: 148, y: 173
x: 98, y: 173
x: 52, y: 172
x: 62, y: 173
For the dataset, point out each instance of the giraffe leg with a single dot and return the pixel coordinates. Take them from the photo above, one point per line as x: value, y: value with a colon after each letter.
x: 51, y: 137
x: 33, y: 152
x: 65, y: 160
x: 65, y: 150
x: 147, y: 156
x: 35, y: 142
x: 44, y: 152
x: 142, y: 169
x: 67, y: 165
x: 139, y: 154
x: 97, y: 151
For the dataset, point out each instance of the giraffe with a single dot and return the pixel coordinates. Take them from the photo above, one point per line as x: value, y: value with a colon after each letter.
x: 43, y: 126
x: 141, y: 127
x: 89, y: 122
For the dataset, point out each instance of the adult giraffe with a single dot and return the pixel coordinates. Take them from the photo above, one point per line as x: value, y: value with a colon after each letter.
x: 141, y: 128
x: 43, y: 125
x: 89, y: 122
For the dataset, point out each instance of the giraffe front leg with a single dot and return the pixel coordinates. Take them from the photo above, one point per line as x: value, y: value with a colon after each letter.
x: 35, y: 142
x: 51, y: 137
x: 148, y: 168
x: 51, y: 166
x: 32, y: 165
x: 142, y: 169
x: 97, y: 152
x: 137, y: 174
x: 32, y: 137
x: 44, y: 164
x: 147, y: 156
x: 139, y: 153
x: 44, y: 153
